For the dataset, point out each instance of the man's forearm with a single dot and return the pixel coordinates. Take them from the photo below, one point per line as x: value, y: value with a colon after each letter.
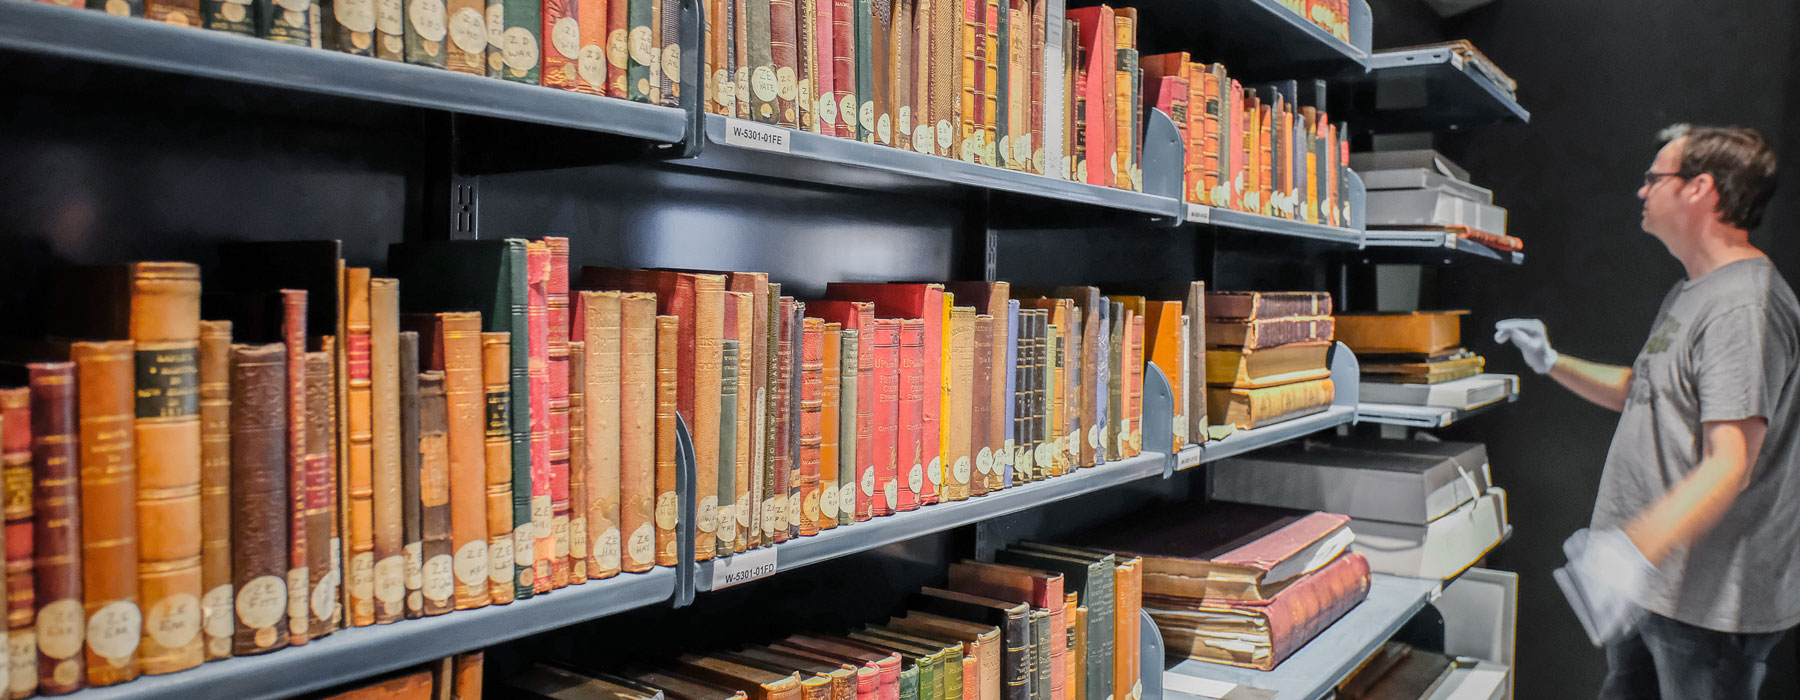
x: 1605, y: 385
x: 1693, y: 505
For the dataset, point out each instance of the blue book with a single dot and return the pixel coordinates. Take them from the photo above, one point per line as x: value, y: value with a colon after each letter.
x: 1012, y: 384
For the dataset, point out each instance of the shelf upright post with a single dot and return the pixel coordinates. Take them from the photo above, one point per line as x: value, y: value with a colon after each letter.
x: 446, y: 203
x: 693, y: 85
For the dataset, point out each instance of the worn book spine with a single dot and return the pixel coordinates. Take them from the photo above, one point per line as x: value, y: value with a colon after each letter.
x: 15, y: 586
x: 796, y: 323
x: 556, y: 303
x: 496, y: 351
x: 639, y: 431
x: 881, y: 73
x: 762, y: 487
x: 590, y: 63
x: 165, y: 331
x: 519, y: 42
x: 348, y: 26
x: 775, y: 521
x: 980, y: 405
x: 851, y: 503
x: 460, y: 345
x: 232, y: 16
x: 600, y: 315
x: 293, y: 336
x: 561, y: 50
x: 994, y: 32
x: 823, y: 68
x: 390, y: 30
x: 321, y: 422
x: 958, y: 457
x: 709, y: 333
x: 360, y: 491
x: 108, y: 492
x: 618, y: 47
x: 806, y: 18
x: 1049, y: 456
x: 1112, y: 434
x: 537, y: 271
x: 762, y: 85
x: 887, y: 416
x: 1135, y: 395
x: 902, y: 84
x: 465, y: 45
x: 579, y: 554
x: 427, y: 26
x: 667, y: 376
x: 909, y: 465
x: 215, y: 484
x: 812, y: 402
x: 284, y: 21
x: 748, y: 343
x: 437, y: 587
x: 1021, y: 399
x: 936, y: 434
x: 728, y: 404
x: 384, y: 357
x: 831, y: 388
x: 56, y: 539
x: 411, y: 502
x: 844, y: 67
x: 668, y: 46
x: 259, y: 497
x: 1009, y: 405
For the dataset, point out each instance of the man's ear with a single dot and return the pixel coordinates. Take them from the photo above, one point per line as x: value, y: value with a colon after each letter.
x: 1701, y: 185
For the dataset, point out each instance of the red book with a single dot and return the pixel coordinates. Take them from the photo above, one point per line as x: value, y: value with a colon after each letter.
x: 784, y: 47
x: 293, y: 335
x: 909, y: 466
x: 1096, y: 42
x: 1295, y: 615
x: 824, y: 68
x: 537, y: 338
x: 783, y: 460
x: 887, y: 415
x: 843, y: 65
x: 812, y: 403
x: 556, y: 297
x: 924, y: 302
x: 858, y: 316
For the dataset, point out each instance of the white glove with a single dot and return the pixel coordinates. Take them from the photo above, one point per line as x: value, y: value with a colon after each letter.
x: 1532, y: 340
x: 1603, y: 580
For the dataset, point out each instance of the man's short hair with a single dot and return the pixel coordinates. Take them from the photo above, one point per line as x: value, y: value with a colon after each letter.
x: 1742, y: 166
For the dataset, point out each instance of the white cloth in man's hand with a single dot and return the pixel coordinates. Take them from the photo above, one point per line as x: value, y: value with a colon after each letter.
x: 1532, y: 340
x: 1605, y: 577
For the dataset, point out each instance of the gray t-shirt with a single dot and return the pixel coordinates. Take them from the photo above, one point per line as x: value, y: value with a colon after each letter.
x: 1723, y: 347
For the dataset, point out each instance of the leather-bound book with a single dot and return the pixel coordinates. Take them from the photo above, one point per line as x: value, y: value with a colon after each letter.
x: 1255, y: 408
x: 520, y: 41
x: 945, y: 49
x: 1090, y: 575
x: 920, y: 301
x: 796, y: 326
x: 1267, y: 333
x: 728, y: 405
x: 1005, y: 461
x: 259, y: 497
x: 1036, y: 587
x: 757, y: 683
x: 844, y: 60
x: 1110, y: 432
x: 708, y: 324
x: 1135, y: 396
x: 823, y: 73
x: 973, y: 49
x: 589, y: 62
x: 881, y: 69
x: 862, y: 35
x: 885, y: 664
x: 359, y: 471
x: 981, y: 406
x: 753, y: 397
x: 1266, y: 305
x: 15, y: 448
x: 856, y: 319
x: 411, y: 453
x: 293, y: 336
x: 887, y: 416
x: 437, y: 588
x: 1123, y: 98
x: 812, y: 401
x: 618, y: 47
x: 390, y: 30
x: 465, y: 50
x: 108, y: 486
x: 763, y: 488
x: 1024, y: 427
x: 165, y: 331
x: 678, y: 686
x: 427, y: 27
x: 775, y: 520
x: 639, y: 431
x: 215, y: 485
x: 56, y: 538
x: 824, y: 680
x: 457, y: 353
x: 556, y: 304
x: 958, y: 456
x: 598, y: 322
x: 764, y: 87
x: 496, y: 354
x: 410, y: 684
x: 1050, y: 449
x: 851, y: 502
x: 901, y: 84
x: 321, y: 420
x: 181, y: 13
x: 992, y: 80
x: 922, y: 137
x: 749, y: 346
x: 277, y: 23
x: 668, y: 331
x: 1198, y: 363
x: 537, y: 342
x: 1010, y: 618
x: 1268, y: 367
x: 981, y: 648
x: 909, y: 465
x: 806, y: 45
x: 561, y: 27
x: 1291, y: 619
x: 489, y: 277
x: 830, y: 397
x: 384, y: 369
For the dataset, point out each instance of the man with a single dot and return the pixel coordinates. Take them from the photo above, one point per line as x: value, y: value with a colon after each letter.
x: 1690, y: 570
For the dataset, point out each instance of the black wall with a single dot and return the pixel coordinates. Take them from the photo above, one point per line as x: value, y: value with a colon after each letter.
x: 1600, y: 77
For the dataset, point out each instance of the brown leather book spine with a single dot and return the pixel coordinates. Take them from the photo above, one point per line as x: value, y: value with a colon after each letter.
x: 753, y: 380
x: 579, y: 503
x: 108, y: 499
x: 259, y: 497
x: 639, y: 431
x: 215, y: 485
x: 981, y: 405
x: 709, y: 334
x: 384, y: 366
x: 881, y: 70
x: 783, y: 47
x: 56, y: 542
x: 321, y: 422
x: 958, y: 457
x: 461, y: 347
x: 782, y: 464
x: 537, y: 314
x: 668, y: 329
x: 165, y: 331
x: 437, y: 585
x: 293, y: 336
x: 901, y: 84
x: 556, y: 300
x: 887, y: 417
x: 411, y: 472
x: 1134, y: 400
x: 497, y: 444
x: 601, y: 316
x: 15, y: 471
x: 829, y: 376
x: 998, y: 428
x: 468, y: 673
x: 812, y: 402
x: 359, y: 468
x: 744, y: 313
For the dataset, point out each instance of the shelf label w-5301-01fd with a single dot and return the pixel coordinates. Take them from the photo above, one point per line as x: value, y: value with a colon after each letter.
x: 742, y: 567
x: 764, y: 137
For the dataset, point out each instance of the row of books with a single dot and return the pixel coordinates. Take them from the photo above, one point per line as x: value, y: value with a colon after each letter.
x: 1267, y: 356
x: 1265, y: 149
x: 459, y: 677
x: 490, y: 435
x: 1046, y: 622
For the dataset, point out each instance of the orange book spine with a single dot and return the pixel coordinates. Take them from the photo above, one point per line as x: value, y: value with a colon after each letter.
x: 748, y: 379
x: 812, y: 401
x: 384, y: 364
x: 319, y: 592
x: 909, y: 460
x: 293, y: 335
x: 599, y: 314
x: 496, y: 349
x: 360, y: 493
x: 464, y: 394
x: 579, y: 505
x: 215, y: 486
x: 961, y: 416
x: 829, y: 375
x: 104, y: 395
x: 638, y: 431
x: 667, y: 330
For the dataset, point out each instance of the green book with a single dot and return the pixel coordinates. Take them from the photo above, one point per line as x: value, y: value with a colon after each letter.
x: 728, y: 401
x: 848, y: 491
x: 519, y: 42
x: 909, y: 681
x: 766, y: 477
x: 427, y: 28
x: 865, y: 79
x: 286, y: 21
x: 1090, y: 574
x: 1042, y: 668
x: 489, y: 277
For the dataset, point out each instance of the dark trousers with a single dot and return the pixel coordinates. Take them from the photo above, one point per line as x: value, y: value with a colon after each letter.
x: 1666, y: 659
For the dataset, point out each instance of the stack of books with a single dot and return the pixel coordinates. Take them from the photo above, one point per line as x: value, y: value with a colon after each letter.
x: 1419, y: 509
x: 1267, y: 356
x: 1241, y: 585
x: 1421, y: 190
x: 1416, y: 358
x: 331, y: 448
x: 1264, y: 149
x: 1051, y: 622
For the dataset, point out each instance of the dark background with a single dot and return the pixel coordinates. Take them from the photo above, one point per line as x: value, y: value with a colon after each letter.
x: 1600, y: 78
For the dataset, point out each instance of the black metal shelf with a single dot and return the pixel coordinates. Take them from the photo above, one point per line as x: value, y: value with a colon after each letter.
x: 1256, y: 39
x: 1243, y: 221
x: 1423, y: 89
x: 1430, y: 247
x: 1424, y: 416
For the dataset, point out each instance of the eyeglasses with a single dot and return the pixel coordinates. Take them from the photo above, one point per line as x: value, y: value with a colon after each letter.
x: 1652, y: 177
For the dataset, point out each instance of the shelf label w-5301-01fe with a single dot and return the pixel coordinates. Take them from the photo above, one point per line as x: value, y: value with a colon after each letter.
x: 1199, y: 213
x: 763, y: 137
x: 743, y: 566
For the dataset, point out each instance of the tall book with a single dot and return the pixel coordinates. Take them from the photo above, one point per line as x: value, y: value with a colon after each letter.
x: 537, y: 343
x: 579, y: 504
x: 859, y: 397
x: 763, y: 487
x: 598, y: 322
x: 1011, y: 618
x: 850, y: 499
x: 1198, y: 364
x: 638, y: 431
x: 918, y: 301
x: 784, y: 38
x: 981, y: 406
x: 458, y: 355
x: 753, y: 400
x: 108, y: 493
x: 776, y: 486
x: 619, y: 21
x: 15, y: 457
x: 728, y: 406
x: 293, y: 336
x: 556, y: 305
x: 412, y: 501
x: 259, y: 497
x: 321, y: 589
x: 489, y: 277
x: 1008, y: 454
x: 358, y: 512
x: 957, y: 454
x: 831, y: 393
x: 812, y: 403
x: 1090, y: 575
x: 913, y: 488
x: 437, y: 584
x: 165, y: 332
x: 887, y: 416
x: 1042, y: 590
x: 56, y: 537
x: 706, y: 353
x: 1134, y: 397
x: 519, y: 41
x: 990, y: 298
x: 389, y: 570
x: 496, y: 355
x: 215, y: 487
x: 667, y: 334
x: 743, y: 308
